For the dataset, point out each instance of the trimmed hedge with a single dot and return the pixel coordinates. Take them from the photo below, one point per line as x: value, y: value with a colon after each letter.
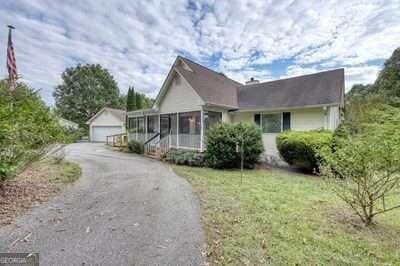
x: 222, y: 139
x: 182, y: 157
x: 300, y: 149
x: 135, y: 147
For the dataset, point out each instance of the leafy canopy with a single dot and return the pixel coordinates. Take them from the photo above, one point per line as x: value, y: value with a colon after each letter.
x: 85, y: 89
x: 27, y: 125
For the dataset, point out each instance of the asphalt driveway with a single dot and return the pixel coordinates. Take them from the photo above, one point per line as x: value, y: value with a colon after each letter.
x: 125, y: 210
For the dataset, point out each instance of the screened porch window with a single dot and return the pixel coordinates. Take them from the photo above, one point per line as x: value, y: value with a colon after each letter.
x: 152, y: 122
x: 212, y: 118
x: 132, y: 124
x: 271, y: 123
x: 140, y: 124
x: 190, y: 123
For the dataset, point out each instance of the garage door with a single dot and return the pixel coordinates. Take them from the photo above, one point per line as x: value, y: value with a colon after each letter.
x: 100, y: 133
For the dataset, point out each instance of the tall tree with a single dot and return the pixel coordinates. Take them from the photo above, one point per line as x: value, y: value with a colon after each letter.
x: 85, y: 89
x: 131, y: 100
x: 388, y: 81
x: 139, y: 100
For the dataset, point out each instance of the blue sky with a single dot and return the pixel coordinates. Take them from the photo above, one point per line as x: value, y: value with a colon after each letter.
x: 137, y: 41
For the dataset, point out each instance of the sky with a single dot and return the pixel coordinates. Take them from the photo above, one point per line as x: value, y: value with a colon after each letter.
x: 138, y: 41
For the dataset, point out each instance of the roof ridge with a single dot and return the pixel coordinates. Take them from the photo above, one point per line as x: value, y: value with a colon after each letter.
x: 300, y: 76
x: 111, y: 108
x: 209, y: 69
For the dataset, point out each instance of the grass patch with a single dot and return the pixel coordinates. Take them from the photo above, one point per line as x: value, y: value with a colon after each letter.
x: 276, y: 217
x: 64, y: 172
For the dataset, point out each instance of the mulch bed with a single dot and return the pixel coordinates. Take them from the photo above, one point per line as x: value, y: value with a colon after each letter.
x: 24, y: 191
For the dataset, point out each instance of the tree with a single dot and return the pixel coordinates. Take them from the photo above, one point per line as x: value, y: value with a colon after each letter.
x: 388, y: 81
x: 27, y: 126
x: 85, y: 89
x: 139, y: 100
x: 131, y: 100
x: 364, y: 169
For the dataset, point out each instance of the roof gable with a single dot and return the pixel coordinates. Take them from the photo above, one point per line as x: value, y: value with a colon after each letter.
x: 117, y: 113
x: 212, y: 87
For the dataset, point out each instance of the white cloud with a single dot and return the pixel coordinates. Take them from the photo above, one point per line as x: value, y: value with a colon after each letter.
x: 138, y: 40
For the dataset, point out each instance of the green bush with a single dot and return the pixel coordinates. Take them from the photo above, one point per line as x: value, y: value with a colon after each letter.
x: 27, y: 125
x: 135, y: 147
x: 221, y: 142
x: 364, y: 171
x: 184, y: 157
x: 300, y: 149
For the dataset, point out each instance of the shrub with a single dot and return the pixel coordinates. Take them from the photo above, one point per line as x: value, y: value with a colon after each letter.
x: 27, y: 125
x: 221, y: 142
x: 364, y: 171
x: 135, y: 147
x: 182, y: 157
x: 300, y: 149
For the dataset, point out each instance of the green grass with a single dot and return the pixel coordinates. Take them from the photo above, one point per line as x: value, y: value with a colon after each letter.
x: 276, y: 217
x: 60, y: 172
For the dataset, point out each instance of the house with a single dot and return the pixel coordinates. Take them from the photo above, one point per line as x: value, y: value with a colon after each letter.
x: 106, y: 122
x: 67, y: 124
x: 193, y: 98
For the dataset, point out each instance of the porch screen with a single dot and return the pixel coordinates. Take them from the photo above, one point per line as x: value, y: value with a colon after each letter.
x: 141, y: 124
x: 190, y: 123
x: 152, y: 122
x: 212, y: 118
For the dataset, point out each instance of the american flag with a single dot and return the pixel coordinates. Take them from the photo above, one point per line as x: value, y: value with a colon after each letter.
x: 11, y: 63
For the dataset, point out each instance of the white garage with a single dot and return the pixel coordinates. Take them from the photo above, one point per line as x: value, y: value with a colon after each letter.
x: 105, y: 123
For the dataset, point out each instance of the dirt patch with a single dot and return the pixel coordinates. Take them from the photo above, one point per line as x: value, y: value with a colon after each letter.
x: 32, y: 187
x: 352, y: 223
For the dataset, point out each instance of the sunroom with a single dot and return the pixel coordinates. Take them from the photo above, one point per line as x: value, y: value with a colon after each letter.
x: 183, y: 130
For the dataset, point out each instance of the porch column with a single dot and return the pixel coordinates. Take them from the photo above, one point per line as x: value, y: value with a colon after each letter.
x: 145, y: 127
x: 177, y: 130
x: 201, y: 129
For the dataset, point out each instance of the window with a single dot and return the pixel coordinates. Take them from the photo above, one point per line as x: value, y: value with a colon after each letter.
x: 212, y: 118
x: 140, y: 124
x: 152, y: 124
x: 132, y: 124
x: 190, y: 123
x: 271, y: 123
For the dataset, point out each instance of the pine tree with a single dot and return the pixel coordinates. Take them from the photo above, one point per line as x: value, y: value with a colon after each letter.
x: 130, y: 100
x: 139, y: 100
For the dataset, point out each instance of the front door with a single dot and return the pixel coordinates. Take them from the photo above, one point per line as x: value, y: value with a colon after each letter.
x: 168, y: 125
x: 165, y: 125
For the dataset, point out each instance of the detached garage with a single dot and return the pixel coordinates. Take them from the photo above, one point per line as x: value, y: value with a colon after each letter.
x: 105, y: 123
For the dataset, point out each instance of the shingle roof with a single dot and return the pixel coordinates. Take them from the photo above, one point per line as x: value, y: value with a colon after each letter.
x: 211, y: 86
x: 315, y: 89
x: 120, y: 114
x: 117, y: 112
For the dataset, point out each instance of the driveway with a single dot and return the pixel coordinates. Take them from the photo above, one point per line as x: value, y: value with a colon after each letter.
x: 125, y: 210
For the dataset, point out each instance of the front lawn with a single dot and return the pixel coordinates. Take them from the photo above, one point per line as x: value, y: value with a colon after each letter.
x: 276, y: 217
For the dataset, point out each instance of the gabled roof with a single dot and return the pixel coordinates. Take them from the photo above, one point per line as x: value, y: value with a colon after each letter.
x: 211, y: 86
x: 120, y: 114
x: 323, y: 88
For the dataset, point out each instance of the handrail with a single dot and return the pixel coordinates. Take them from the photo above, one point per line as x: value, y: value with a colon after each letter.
x: 150, y: 139
x: 117, y: 135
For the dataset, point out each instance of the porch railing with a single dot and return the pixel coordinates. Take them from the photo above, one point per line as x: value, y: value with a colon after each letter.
x: 117, y: 140
x: 158, y: 147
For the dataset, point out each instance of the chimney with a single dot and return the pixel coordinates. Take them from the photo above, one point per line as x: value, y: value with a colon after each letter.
x: 252, y: 81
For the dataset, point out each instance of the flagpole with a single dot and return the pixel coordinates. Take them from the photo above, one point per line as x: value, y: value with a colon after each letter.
x: 12, y: 77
